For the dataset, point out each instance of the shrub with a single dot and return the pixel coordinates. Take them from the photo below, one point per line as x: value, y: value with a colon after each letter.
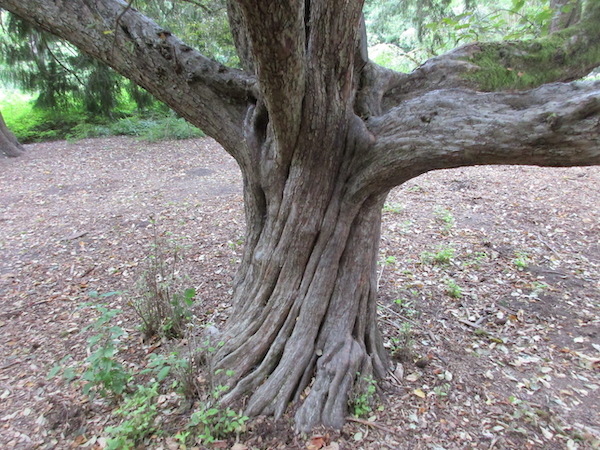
x: 163, y: 305
x: 171, y: 128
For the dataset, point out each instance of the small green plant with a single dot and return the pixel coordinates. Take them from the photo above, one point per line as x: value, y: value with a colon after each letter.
x: 476, y: 259
x: 442, y: 391
x: 183, y: 368
x: 363, y: 399
x: 395, y: 208
x: 453, y: 289
x: 163, y: 306
x: 406, y: 307
x: 402, y: 343
x: 389, y: 260
x: 443, y: 256
x: 537, y: 289
x: 445, y: 217
x: 521, y: 260
x: 102, y: 374
x: 212, y: 422
x: 139, y: 413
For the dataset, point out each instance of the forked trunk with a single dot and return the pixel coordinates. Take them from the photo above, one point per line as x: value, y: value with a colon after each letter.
x: 304, y: 303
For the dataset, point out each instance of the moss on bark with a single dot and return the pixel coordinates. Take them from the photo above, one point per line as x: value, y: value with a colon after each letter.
x: 562, y: 56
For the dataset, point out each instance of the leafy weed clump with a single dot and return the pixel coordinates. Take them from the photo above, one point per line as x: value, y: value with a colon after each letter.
x: 163, y: 305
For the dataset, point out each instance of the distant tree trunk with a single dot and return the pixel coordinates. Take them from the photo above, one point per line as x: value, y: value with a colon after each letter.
x: 9, y: 145
x: 566, y: 13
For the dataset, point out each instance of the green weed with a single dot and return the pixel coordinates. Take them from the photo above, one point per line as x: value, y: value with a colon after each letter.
x: 212, y: 422
x: 362, y: 401
x: 442, y: 256
x: 395, y: 208
x: 453, y: 289
x: 445, y: 218
x: 162, y: 304
x: 102, y: 373
x: 521, y: 260
x: 139, y: 413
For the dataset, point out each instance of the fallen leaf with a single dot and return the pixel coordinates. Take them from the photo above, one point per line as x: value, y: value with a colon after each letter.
x: 315, y: 443
x: 239, y: 446
x: 419, y: 393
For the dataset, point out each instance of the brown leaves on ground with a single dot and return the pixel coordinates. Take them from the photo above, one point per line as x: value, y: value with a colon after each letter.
x: 489, y: 294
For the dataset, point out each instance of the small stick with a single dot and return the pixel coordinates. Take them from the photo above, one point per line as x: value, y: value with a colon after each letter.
x: 372, y: 424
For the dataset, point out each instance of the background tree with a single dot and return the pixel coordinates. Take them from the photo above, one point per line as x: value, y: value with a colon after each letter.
x: 70, y: 86
x: 321, y: 135
x: 9, y: 145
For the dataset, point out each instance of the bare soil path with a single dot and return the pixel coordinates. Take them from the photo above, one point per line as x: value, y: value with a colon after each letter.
x: 489, y: 293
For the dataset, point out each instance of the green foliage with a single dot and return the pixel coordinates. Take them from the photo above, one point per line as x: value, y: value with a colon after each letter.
x: 521, y: 260
x: 171, y: 128
x: 362, y: 401
x: 442, y: 256
x: 402, y: 35
x: 501, y: 69
x: 476, y: 259
x: 406, y: 306
x: 162, y: 304
x: 30, y: 124
x: 202, y: 24
x: 102, y: 373
x: 139, y: 413
x: 445, y: 217
x: 183, y: 368
x: 453, y: 289
x: 87, y: 130
x: 402, y: 344
x: 211, y: 422
x: 395, y: 208
x: 61, y: 77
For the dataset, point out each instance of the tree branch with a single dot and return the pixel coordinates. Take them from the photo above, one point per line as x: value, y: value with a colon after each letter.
x: 565, y: 55
x: 206, y: 93
x: 275, y: 32
x: 554, y: 125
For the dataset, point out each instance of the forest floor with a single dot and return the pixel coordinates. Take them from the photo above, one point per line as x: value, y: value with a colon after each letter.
x: 489, y: 298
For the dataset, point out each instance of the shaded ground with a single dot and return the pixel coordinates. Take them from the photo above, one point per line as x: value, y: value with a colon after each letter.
x: 489, y: 293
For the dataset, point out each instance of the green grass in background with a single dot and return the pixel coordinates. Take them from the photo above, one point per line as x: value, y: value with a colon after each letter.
x: 31, y: 124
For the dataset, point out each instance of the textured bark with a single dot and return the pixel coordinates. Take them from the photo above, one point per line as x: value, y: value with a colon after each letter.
x: 9, y: 145
x: 321, y: 134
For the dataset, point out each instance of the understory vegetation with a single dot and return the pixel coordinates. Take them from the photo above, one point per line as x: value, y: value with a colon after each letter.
x: 177, y: 371
x: 30, y: 123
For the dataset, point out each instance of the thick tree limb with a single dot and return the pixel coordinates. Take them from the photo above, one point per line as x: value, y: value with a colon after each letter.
x: 554, y: 125
x: 276, y: 34
x: 203, y: 91
x: 565, y: 55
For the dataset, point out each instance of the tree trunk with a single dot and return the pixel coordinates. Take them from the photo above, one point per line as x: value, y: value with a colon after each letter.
x: 9, y: 145
x: 305, y: 296
x: 566, y: 13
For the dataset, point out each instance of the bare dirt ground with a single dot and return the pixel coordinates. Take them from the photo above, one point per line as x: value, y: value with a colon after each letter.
x: 489, y: 295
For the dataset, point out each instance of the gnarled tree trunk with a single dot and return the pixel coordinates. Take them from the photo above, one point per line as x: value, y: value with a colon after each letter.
x: 9, y: 145
x: 305, y: 293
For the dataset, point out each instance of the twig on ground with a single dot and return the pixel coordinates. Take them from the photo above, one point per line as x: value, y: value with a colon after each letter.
x: 373, y: 424
x: 547, y: 245
x: 387, y: 308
